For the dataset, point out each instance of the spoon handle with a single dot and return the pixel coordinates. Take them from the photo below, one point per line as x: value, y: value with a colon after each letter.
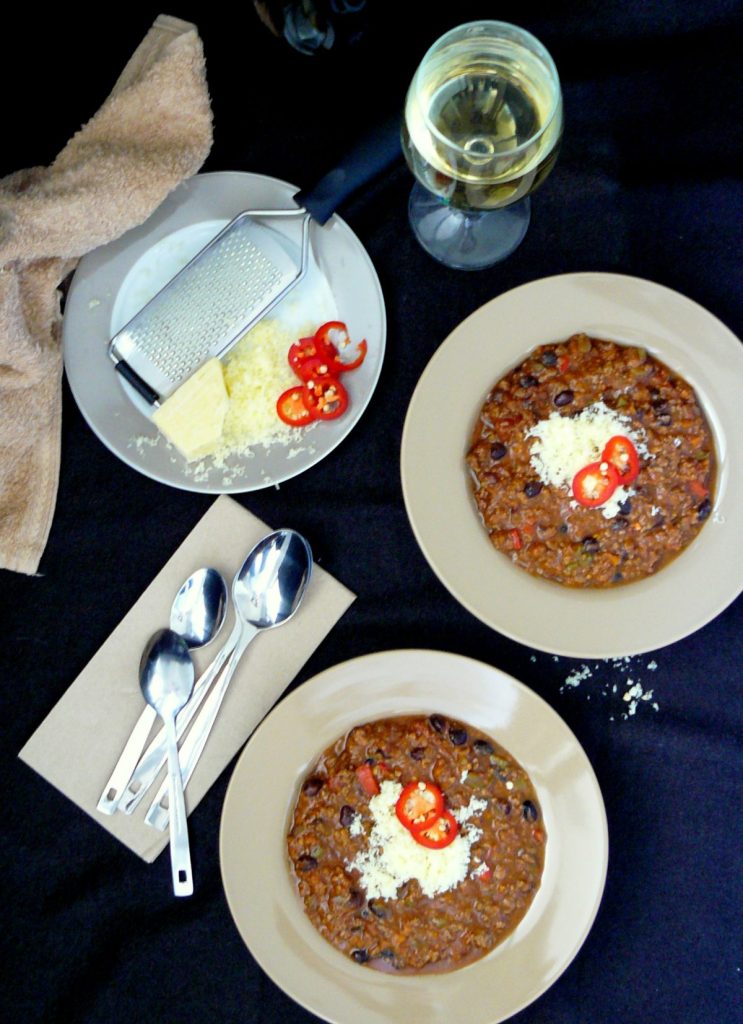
x: 154, y: 757
x: 127, y: 762
x: 194, y: 743
x: 180, y: 854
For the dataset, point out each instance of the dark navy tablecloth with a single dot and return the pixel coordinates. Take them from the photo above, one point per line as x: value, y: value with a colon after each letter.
x: 647, y: 184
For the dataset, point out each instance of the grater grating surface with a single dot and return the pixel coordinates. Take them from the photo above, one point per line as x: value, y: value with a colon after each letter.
x: 207, y: 306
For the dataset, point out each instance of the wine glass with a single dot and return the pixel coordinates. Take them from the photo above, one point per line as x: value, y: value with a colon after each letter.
x: 481, y: 131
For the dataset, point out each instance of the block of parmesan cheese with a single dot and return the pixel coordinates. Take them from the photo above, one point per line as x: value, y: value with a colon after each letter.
x: 192, y: 418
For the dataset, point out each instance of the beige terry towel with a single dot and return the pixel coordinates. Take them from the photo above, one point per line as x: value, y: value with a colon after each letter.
x: 154, y: 130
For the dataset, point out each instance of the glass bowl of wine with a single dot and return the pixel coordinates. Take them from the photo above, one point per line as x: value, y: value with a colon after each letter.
x: 481, y: 131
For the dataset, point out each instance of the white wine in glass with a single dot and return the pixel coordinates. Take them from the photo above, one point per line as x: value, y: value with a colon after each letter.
x: 482, y: 127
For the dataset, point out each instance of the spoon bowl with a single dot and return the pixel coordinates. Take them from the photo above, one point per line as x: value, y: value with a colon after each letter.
x: 167, y: 674
x: 200, y: 607
x: 271, y: 583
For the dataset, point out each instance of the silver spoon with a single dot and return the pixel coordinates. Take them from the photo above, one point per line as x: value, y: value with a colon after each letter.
x: 167, y: 681
x: 198, y: 613
x: 200, y: 607
x: 242, y: 633
x: 266, y: 592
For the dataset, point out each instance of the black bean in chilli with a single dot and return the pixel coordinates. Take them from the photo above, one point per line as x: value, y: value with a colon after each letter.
x: 313, y: 786
x: 418, y: 753
x: 458, y: 736
x: 704, y: 510
x: 347, y: 815
x: 529, y: 810
x: 563, y: 398
x: 306, y: 862
x: 482, y: 747
x: 532, y: 488
x: 498, y: 451
x: 360, y: 956
x: 438, y: 722
x: 591, y: 545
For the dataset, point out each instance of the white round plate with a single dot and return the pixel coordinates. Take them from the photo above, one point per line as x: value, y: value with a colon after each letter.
x: 588, y: 623
x: 113, y: 282
x: 257, y: 812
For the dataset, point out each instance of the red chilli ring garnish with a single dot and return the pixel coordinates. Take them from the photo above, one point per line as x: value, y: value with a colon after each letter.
x: 419, y: 804
x: 595, y: 483
x: 439, y: 833
x: 622, y: 454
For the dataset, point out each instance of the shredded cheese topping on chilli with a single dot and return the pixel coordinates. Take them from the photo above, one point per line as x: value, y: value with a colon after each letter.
x: 393, y: 857
x: 564, y: 444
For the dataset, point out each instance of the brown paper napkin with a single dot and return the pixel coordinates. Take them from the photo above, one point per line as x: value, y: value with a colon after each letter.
x: 77, y: 745
x: 153, y: 131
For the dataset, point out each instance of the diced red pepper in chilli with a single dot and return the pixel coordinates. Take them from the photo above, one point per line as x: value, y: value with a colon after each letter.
x: 365, y: 776
x: 698, y: 489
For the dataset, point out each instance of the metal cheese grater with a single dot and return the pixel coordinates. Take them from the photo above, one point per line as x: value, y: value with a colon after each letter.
x: 223, y: 291
x: 236, y: 279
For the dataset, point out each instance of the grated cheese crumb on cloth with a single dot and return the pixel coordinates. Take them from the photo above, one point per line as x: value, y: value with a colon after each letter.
x: 634, y: 694
x: 565, y: 444
x: 392, y: 856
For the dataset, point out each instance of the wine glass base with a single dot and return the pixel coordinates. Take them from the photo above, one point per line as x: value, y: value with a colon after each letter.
x: 467, y: 239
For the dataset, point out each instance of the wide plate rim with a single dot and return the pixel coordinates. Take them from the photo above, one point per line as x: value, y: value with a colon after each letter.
x: 319, y: 998
x: 636, y: 625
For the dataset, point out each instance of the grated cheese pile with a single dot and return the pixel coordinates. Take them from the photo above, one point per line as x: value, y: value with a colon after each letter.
x: 393, y: 856
x: 256, y: 372
x: 565, y: 444
x: 230, y: 407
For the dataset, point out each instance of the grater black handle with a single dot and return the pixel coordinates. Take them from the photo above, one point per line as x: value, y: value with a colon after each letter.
x: 144, y: 389
x: 376, y: 153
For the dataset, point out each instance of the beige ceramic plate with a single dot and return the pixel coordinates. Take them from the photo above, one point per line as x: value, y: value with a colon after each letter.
x: 115, y: 280
x: 259, y: 803
x: 632, y: 619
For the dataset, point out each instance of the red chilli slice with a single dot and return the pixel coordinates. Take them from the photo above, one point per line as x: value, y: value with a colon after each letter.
x: 439, y: 833
x: 622, y: 454
x: 419, y: 804
x: 595, y: 483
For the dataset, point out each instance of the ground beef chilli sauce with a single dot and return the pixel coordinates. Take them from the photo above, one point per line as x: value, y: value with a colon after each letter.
x: 592, y: 463
x: 396, y: 902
